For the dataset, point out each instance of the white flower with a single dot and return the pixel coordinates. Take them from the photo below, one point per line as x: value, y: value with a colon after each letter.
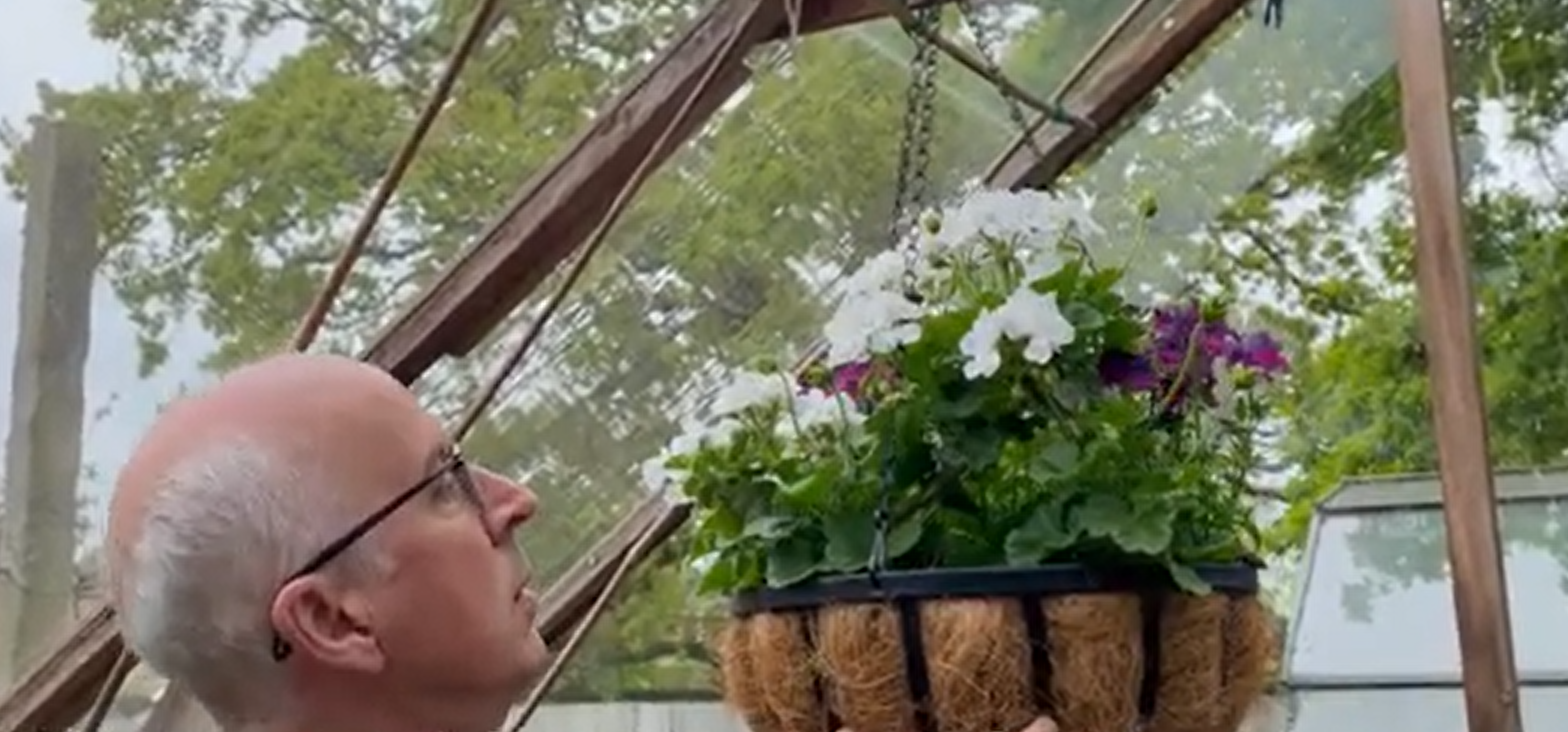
x: 814, y: 407
x: 871, y: 322
x: 1029, y: 220
x: 656, y: 473
x: 884, y: 272
x: 1027, y: 315
x: 750, y: 389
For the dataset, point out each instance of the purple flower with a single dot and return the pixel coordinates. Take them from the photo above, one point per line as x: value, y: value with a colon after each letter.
x: 850, y: 378
x: 855, y: 379
x: 1259, y: 352
x: 1127, y: 371
x: 1183, y: 347
x: 1172, y: 345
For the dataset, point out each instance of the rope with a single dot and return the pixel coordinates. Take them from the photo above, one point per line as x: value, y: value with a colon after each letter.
x: 478, y: 28
x: 310, y: 325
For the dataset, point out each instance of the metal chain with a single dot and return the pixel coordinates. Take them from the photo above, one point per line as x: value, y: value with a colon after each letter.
x: 985, y: 44
x: 1274, y: 13
x: 914, y: 153
x: 912, y: 188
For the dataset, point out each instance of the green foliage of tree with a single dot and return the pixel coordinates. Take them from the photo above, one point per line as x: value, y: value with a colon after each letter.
x: 1295, y: 229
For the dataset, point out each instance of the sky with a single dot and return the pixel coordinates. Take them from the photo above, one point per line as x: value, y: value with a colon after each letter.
x: 48, y: 40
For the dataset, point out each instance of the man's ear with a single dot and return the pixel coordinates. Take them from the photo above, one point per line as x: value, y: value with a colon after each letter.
x: 327, y: 624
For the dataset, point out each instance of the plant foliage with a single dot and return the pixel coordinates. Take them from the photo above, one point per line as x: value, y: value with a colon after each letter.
x: 1006, y: 403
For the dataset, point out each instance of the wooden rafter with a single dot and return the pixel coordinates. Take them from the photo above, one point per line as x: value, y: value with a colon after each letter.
x: 1114, y: 90
x: 552, y: 216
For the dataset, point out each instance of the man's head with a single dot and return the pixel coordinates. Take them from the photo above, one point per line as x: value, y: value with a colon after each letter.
x: 231, y: 573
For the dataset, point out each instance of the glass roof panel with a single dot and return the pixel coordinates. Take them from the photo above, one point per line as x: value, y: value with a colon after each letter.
x: 1425, y: 490
x: 1426, y: 710
x: 1241, y: 113
x: 731, y: 250
x: 1377, y: 604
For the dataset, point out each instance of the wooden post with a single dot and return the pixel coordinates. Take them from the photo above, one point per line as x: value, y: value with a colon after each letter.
x: 44, y: 445
x: 1458, y: 404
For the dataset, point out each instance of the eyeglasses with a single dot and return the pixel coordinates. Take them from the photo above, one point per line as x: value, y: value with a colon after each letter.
x: 453, y: 465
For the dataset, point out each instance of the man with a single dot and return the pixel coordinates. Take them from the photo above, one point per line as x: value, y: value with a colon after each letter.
x: 303, y: 548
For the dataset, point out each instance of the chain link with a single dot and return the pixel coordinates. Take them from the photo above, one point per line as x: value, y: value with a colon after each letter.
x: 914, y: 153
x: 985, y: 44
x: 911, y: 191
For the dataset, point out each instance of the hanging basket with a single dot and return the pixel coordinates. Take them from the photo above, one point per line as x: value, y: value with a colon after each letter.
x: 989, y: 650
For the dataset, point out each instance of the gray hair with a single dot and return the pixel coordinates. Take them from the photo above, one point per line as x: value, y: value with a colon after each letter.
x: 222, y: 530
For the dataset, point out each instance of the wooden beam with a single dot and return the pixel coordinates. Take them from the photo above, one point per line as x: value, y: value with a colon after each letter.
x: 1114, y: 90
x: 817, y: 16
x: 563, y: 203
x: 1443, y: 286
x: 571, y: 595
x: 56, y: 693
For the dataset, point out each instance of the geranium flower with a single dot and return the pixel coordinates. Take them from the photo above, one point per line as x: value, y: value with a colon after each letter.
x: 748, y: 389
x: 1026, y: 315
x: 870, y: 323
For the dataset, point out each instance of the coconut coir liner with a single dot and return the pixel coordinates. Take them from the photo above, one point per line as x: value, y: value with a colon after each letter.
x: 843, y: 666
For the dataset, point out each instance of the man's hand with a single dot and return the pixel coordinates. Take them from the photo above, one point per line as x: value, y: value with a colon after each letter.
x: 1043, y: 724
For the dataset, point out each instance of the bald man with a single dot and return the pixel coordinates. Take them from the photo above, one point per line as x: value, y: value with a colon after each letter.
x: 304, y: 549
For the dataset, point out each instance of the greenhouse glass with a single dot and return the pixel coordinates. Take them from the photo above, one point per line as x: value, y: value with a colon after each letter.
x: 1374, y: 639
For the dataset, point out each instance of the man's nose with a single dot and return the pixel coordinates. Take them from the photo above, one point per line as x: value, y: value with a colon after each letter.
x: 507, y: 504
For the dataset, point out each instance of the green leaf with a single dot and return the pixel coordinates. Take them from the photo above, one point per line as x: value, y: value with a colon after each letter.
x: 792, y: 560
x: 1083, y: 316
x: 721, y: 575
x: 1054, y: 460
x: 770, y: 527
x: 849, y: 540
x: 1102, y: 515
x: 1188, y: 580
x: 905, y: 535
x: 812, y: 490
x: 1145, y: 533
x: 1044, y: 533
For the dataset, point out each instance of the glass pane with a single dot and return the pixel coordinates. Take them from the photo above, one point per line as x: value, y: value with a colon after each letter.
x: 1379, y: 605
x: 1228, y: 141
x: 1427, y: 710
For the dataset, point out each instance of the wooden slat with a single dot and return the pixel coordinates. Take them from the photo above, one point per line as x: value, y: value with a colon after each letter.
x: 1123, y: 82
x: 817, y: 16
x: 559, y: 208
x: 55, y: 694
x: 571, y: 595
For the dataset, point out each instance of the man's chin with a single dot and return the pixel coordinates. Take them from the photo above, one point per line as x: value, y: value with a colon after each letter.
x: 534, y: 662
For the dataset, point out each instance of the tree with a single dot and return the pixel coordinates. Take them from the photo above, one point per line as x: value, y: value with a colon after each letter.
x: 1300, y: 244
